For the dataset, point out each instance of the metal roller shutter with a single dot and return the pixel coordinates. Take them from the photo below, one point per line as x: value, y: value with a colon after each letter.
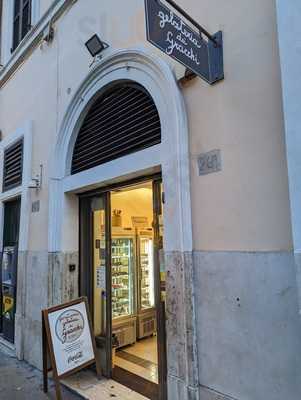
x: 13, y: 166
x: 122, y: 121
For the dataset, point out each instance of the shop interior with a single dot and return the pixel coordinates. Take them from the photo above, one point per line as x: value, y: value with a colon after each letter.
x: 134, y: 325
x: 133, y: 292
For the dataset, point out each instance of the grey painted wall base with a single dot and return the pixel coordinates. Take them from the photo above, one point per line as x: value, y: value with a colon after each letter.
x: 249, y: 331
x: 62, y: 283
x: 182, y: 357
x: 233, y: 326
x: 178, y: 389
x: 209, y: 394
x: 298, y: 274
x: 32, y: 296
x: 289, y: 35
x: 43, y: 280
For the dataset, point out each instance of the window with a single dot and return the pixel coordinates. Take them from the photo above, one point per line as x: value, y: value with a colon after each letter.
x: 21, y: 21
x: 13, y: 166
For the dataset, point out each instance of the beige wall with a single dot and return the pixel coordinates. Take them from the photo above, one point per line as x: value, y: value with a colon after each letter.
x: 44, y: 5
x: 244, y: 207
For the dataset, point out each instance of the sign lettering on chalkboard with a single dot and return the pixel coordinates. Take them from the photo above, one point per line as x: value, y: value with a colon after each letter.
x: 168, y: 32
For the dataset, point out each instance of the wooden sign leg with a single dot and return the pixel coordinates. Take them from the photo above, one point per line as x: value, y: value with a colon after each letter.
x: 45, y: 360
x: 57, y: 388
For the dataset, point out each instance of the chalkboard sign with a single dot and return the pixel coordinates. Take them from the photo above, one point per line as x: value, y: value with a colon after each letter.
x: 68, y: 340
x: 168, y: 32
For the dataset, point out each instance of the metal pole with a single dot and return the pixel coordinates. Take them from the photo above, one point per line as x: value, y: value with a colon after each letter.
x: 190, y: 19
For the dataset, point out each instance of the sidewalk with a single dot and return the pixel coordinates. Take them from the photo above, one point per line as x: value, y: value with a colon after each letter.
x: 20, y: 381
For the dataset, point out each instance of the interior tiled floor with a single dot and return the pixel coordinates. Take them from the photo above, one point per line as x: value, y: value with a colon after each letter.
x: 146, y: 349
x: 141, y: 359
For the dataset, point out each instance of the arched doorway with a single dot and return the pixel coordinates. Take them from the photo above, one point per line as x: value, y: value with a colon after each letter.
x: 121, y: 241
x: 170, y: 158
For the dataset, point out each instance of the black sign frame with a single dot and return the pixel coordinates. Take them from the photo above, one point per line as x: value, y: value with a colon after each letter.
x: 174, y: 37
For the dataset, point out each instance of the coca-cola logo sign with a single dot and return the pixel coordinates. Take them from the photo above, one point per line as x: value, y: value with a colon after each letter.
x: 69, y: 326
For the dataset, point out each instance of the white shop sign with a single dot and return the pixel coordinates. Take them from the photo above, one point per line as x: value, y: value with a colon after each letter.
x: 71, y: 338
x: 68, y: 341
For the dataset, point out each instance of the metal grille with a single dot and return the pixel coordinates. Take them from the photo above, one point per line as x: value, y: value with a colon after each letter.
x: 12, y: 168
x: 122, y: 121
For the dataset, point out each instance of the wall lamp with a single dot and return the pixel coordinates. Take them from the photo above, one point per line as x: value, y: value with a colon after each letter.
x: 95, y: 45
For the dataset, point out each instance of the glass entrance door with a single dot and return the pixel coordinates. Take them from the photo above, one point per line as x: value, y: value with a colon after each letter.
x: 96, y: 272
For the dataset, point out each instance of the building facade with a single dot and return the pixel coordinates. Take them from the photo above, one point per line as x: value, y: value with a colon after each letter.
x: 230, y: 238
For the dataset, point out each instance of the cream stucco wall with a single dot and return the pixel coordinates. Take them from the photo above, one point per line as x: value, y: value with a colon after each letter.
x: 244, y: 207
x: 44, y: 5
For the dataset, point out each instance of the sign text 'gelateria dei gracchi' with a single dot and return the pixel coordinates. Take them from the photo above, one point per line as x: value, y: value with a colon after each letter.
x: 168, y: 32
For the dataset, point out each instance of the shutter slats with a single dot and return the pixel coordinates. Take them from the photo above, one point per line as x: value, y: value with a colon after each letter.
x: 121, y: 134
x: 14, y: 154
x: 120, y: 96
x: 114, y: 108
x: 106, y: 152
x: 12, y: 168
x: 117, y: 124
x: 13, y: 161
x: 113, y: 99
x: 143, y: 143
x: 122, y: 121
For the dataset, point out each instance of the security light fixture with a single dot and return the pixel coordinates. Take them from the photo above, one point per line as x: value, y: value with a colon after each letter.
x: 95, y: 45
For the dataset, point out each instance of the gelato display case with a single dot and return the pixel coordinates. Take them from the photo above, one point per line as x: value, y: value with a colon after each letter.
x: 123, y: 286
x: 146, y: 315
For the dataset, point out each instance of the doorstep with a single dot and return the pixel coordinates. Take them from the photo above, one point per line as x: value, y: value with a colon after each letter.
x: 86, y: 384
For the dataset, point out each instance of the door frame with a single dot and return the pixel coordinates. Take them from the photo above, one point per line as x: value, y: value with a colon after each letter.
x: 135, y: 382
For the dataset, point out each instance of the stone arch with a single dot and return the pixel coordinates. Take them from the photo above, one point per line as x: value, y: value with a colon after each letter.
x: 172, y: 156
x: 157, y: 77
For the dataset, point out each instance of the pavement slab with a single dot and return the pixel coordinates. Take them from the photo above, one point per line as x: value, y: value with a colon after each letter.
x: 20, y: 381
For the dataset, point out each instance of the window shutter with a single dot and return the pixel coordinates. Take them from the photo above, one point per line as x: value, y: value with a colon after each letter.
x: 13, y: 166
x: 122, y: 121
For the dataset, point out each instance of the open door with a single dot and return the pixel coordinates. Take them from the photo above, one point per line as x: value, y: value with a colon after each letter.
x: 95, y: 263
